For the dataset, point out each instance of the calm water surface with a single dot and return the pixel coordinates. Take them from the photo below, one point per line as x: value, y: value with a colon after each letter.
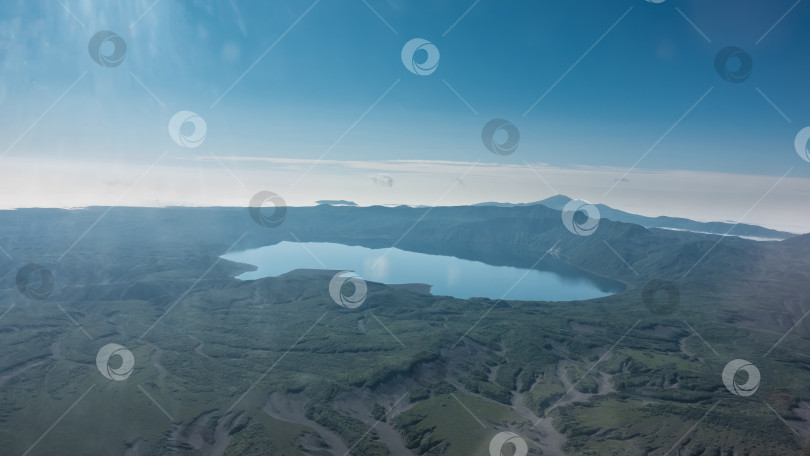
x: 447, y: 275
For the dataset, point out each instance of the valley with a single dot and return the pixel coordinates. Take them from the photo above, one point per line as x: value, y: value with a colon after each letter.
x: 274, y: 366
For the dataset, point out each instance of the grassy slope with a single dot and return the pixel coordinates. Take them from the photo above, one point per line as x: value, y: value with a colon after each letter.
x: 741, y: 299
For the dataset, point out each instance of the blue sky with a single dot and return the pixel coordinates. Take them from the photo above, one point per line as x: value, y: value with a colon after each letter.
x: 311, y: 87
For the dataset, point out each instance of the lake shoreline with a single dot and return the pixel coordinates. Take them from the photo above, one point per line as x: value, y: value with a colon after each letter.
x: 438, y: 275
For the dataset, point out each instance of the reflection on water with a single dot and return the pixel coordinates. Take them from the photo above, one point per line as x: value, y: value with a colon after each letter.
x: 447, y: 275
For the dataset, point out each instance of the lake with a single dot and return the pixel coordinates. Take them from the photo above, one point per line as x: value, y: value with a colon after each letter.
x: 447, y: 275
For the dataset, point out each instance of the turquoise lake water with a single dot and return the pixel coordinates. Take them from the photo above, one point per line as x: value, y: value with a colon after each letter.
x: 447, y: 275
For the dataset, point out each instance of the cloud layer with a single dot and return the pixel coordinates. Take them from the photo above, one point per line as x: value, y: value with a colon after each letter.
x: 770, y: 201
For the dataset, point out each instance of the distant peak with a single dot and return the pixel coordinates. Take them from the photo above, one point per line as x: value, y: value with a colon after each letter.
x: 555, y: 202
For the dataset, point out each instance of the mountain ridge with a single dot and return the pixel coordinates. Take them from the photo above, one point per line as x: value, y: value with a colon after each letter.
x: 755, y: 232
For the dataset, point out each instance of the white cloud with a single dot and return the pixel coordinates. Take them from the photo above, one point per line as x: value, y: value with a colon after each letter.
x: 205, y: 181
x: 382, y: 179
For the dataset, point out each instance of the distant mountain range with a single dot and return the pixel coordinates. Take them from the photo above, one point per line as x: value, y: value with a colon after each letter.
x: 673, y: 223
x: 336, y: 202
